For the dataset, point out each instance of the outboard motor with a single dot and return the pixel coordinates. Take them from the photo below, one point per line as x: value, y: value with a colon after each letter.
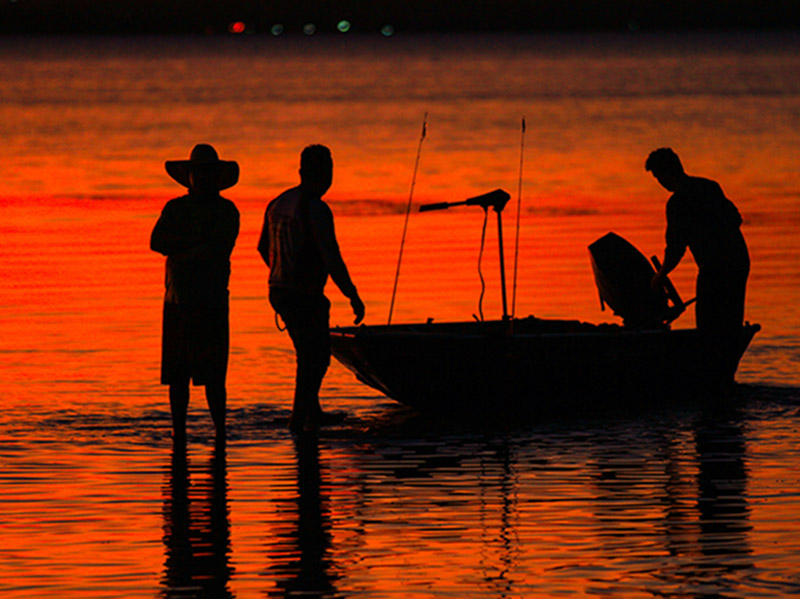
x: 623, y: 274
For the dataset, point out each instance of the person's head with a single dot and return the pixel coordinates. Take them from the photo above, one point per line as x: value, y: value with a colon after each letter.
x: 204, y: 173
x: 666, y: 168
x: 204, y: 180
x: 316, y: 169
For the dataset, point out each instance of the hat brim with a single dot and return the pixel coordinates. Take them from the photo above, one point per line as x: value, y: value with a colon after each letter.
x: 228, y: 171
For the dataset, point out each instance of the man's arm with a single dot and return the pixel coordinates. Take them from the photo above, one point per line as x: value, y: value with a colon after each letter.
x: 321, y: 220
x: 222, y: 239
x: 676, y: 245
x: 191, y: 247
x: 165, y: 239
x: 223, y: 236
x: 263, y: 241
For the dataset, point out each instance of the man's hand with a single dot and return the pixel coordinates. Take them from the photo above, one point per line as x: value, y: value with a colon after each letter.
x: 358, y: 308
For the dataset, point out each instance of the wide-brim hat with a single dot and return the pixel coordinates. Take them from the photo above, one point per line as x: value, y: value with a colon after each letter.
x: 204, y: 156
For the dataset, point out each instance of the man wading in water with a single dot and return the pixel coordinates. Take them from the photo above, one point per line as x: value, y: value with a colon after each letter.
x: 298, y: 244
x: 700, y: 217
x: 196, y: 233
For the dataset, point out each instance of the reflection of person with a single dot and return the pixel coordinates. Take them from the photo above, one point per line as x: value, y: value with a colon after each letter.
x: 196, y: 233
x: 722, y: 485
x: 298, y: 244
x: 197, y: 529
x: 301, y: 557
x: 700, y: 217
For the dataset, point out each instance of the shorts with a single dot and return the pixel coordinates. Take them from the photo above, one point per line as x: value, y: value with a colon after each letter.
x: 194, y: 344
x: 307, y: 318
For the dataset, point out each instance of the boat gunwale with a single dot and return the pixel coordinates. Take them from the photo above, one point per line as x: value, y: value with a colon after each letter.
x: 612, y: 330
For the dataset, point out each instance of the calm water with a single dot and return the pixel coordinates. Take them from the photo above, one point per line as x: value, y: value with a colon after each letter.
x: 684, y: 502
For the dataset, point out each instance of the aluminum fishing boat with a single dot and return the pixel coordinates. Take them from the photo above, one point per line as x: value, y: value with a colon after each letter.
x: 537, y: 364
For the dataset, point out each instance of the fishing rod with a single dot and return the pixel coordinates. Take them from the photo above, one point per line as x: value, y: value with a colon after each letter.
x: 408, y: 211
x: 519, y: 207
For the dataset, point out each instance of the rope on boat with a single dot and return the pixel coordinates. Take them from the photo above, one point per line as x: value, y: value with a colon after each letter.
x: 408, y: 211
x: 480, y: 258
x: 519, y: 206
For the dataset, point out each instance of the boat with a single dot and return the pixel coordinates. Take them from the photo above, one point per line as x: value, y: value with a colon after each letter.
x: 535, y: 364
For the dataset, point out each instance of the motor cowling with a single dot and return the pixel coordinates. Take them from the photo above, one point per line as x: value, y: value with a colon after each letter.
x: 622, y: 275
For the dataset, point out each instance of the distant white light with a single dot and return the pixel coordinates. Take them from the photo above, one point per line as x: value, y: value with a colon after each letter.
x: 387, y: 30
x: 276, y: 29
x: 309, y: 29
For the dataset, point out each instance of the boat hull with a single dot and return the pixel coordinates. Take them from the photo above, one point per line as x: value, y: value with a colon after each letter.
x: 529, y: 364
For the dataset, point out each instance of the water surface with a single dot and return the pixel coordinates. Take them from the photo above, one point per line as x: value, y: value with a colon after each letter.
x: 664, y: 501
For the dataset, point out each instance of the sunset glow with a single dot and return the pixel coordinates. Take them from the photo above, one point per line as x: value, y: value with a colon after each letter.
x: 386, y: 502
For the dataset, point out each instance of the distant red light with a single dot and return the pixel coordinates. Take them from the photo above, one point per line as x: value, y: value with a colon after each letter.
x: 236, y: 27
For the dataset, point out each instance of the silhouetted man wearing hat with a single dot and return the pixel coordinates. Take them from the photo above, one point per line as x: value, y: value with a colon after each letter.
x: 197, y: 232
x: 700, y: 217
x: 299, y: 246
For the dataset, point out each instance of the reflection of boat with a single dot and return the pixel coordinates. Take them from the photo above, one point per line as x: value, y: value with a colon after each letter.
x: 534, y: 363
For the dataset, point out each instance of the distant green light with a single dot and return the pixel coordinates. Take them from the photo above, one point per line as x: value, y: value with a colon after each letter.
x: 387, y: 30
x: 276, y: 29
x: 309, y: 29
x: 343, y: 26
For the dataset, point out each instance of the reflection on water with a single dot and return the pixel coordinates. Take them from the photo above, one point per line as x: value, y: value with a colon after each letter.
x: 656, y: 505
x: 196, y: 528
x: 677, y: 503
x: 722, y: 490
x: 299, y: 558
x: 709, y: 534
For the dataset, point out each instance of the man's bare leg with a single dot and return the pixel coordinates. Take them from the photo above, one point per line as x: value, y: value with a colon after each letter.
x: 306, y: 410
x: 178, y: 403
x: 217, y: 398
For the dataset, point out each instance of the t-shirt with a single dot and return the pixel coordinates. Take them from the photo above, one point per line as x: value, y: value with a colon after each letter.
x: 298, y: 242
x: 197, y: 235
x: 700, y: 217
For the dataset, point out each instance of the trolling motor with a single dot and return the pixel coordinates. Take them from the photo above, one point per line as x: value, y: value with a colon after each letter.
x: 497, y: 200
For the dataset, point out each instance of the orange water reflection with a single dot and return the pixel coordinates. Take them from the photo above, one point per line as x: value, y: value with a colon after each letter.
x: 94, y: 505
x: 80, y: 346
x: 81, y: 317
x: 670, y: 508
x: 82, y: 291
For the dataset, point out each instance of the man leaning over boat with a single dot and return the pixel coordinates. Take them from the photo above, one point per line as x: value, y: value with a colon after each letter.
x: 700, y: 217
